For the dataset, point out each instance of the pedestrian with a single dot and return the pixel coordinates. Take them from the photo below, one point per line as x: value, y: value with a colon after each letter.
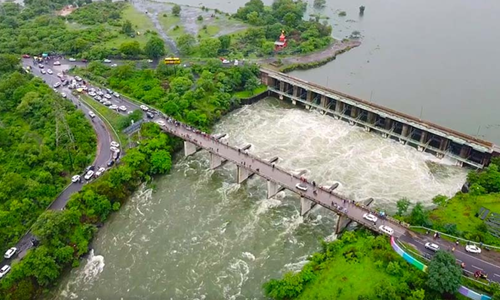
x: 457, y: 242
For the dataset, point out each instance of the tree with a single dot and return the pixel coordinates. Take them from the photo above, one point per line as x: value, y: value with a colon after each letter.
x: 225, y: 41
x: 155, y: 47
x: 253, y: 18
x: 185, y: 43
x: 176, y: 10
x: 132, y: 48
x: 417, y: 295
x: 210, y: 47
x: 444, y: 275
x: 402, y: 206
x: 161, y: 162
x: 127, y: 28
x: 251, y: 84
x: 419, y: 216
x: 180, y: 85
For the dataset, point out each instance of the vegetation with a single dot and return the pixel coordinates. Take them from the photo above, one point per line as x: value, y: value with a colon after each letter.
x: 198, y: 95
x: 43, y: 141
x: 444, y: 275
x: 176, y: 10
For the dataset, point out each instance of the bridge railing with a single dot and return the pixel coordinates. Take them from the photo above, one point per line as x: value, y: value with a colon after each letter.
x: 454, y: 237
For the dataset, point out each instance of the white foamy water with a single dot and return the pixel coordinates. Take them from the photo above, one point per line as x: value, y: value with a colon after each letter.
x: 201, y: 235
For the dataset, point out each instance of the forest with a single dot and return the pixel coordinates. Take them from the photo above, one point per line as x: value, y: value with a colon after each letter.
x: 43, y: 141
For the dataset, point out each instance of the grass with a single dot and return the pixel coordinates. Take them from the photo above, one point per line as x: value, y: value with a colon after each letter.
x: 140, y: 23
x: 211, y: 31
x: 113, y: 117
x: 174, y: 33
x: 169, y: 22
x: 248, y: 94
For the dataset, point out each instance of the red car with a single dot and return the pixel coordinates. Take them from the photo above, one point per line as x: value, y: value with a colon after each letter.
x: 26, y: 56
x: 84, y: 60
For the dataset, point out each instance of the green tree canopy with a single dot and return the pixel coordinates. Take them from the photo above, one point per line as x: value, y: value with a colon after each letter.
x: 186, y: 43
x: 210, y: 47
x: 444, y: 275
x: 155, y: 47
x: 176, y: 10
x: 402, y: 206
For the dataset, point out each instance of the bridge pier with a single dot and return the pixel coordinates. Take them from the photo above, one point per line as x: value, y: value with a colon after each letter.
x: 344, y: 221
x: 306, y: 206
x: 243, y: 174
x: 323, y: 101
x: 189, y: 148
x: 216, y: 161
x: 273, y: 188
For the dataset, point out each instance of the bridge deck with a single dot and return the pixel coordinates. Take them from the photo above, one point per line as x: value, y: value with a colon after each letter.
x: 280, y: 176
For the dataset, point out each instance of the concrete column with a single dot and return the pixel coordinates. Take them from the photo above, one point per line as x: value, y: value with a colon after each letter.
x: 309, y: 96
x: 465, y: 151
x: 443, y: 145
x: 295, y: 91
x: 264, y: 78
x: 354, y: 112
x: 216, y: 161
x: 243, y: 174
x: 387, y: 124
x: 273, y: 188
x: 406, y: 130
x: 189, y: 148
x: 323, y: 101
x: 371, y: 118
x: 306, y: 206
x: 344, y: 221
x: 423, y: 137
x: 339, y: 106
x: 282, y: 86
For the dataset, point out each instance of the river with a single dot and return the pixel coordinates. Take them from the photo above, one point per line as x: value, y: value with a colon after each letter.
x: 199, y: 235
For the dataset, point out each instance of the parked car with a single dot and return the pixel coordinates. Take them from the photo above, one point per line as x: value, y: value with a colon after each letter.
x: 91, y: 114
x: 4, y: 270
x: 150, y: 60
x: 107, y: 61
x: 84, y: 60
x: 110, y: 163
x: 60, y: 75
x: 65, y: 82
x: 72, y: 59
x: 150, y: 115
x: 370, y: 217
x: 97, y: 98
x: 386, y: 229
x: 78, y: 78
x: 301, y: 187
x: 432, y: 246
x: 99, y: 172
x: 115, y: 144
x: 107, y: 96
x: 89, y: 168
x: 89, y: 175
x: 107, y: 103
x: 57, y: 84
x: 160, y: 122
x: 10, y: 252
x: 114, y: 65
x: 43, y: 71
x: 144, y: 107
x: 114, y: 149
x: 41, y: 66
x: 473, y: 249
x: 57, y: 63
x: 75, y: 178
x: 49, y: 71
x: 26, y: 56
x: 122, y: 108
x: 63, y: 95
x: 116, y: 95
x: 113, y: 106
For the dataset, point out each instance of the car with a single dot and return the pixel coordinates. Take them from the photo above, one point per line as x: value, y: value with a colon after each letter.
x: 57, y: 63
x: 432, y: 246
x: 49, y: 71
x: 473, y: 249
x: 89, y: 168
x: 99, y: 172
x: 72, y: 59
x: 225, y: 61
x: 60, y: 75
x: 78, y: 78
x: 84, y: 60
x: 75, y: 178
x: 110, y: 163
x: 114, y: 149
x: 63, y: 95
x: 91, y: 114
x: 150, y: 115
x: 10, y: 252
x: 122, y: 108
x: 26, y: 56
x: 107, y: 96
x: 236, y: 62
x: 113, y: 106
x: 144, y: 107
x: 114, y: 65
x: 43, y: 71
x: 100, y: 93
x: 116, y: 95
x: 107, y: 61
x: 370, y: 217
x: 89, y: 175
x: 160, y: 122
x: 97, y: 98
x: 65, y: 82
x: 386, y: 229
x: 92, y: 94
x: 150, y: 60
x: 107, y: 103
x: 115, y: 144
x: 41, y: 66
x: 301, y: 187
x: 4, y: 270
x: 57, y: 84
x: 109, y: 91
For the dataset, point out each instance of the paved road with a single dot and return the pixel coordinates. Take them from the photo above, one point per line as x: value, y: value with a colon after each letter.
x: 328, y: 200
x: 103, y: 155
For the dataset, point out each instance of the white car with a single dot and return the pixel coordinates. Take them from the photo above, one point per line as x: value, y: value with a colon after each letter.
x: 57, y: 63
x: 114, y: 65
x: 49, y: 71
x: 107, y: 61
x: 72, y: 59
x: 107, y: 96
x: 91, y: 114
x: 78, y: 78
x: 301, y: 187
x: 97, y: 98
x: 4, y: 270
x: 115, y: 144
x: 75, y: 178
x: 144, y: 107
x: 432, y: 246
x: 116, y: 95
x: 106, y: 102
x: 150, y: 60
x: 60, y: 75
x: 99, y: 172
x: 236, y: 62
x: 92, y: 94
x: 114, y: 149
x: 63, y: 95
x: 57, y: 84
x: 473, y: 249
x: 122, y: 108
x: 370, y: 217
x: 10, y: 252
x: 160, y: 122
x: 386, y: 229
x: 100, y: 93
x: 43, y: 71
x: 89, y: 175
x: 113, y: 106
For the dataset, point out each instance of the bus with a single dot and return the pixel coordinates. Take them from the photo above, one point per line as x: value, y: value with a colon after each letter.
x: 172, y: 60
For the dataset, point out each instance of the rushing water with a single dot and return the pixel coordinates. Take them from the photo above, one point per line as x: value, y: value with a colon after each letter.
x: 200, y: 235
